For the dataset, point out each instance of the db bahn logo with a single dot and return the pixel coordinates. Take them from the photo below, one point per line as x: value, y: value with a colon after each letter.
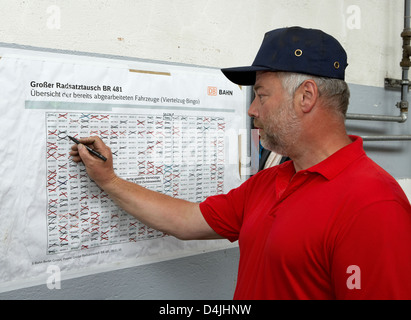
x: 213, y: 91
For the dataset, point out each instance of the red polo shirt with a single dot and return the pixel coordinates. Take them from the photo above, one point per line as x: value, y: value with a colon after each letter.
x: 338, y: 230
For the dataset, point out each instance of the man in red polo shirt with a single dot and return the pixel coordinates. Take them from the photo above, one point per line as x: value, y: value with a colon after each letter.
x: 330, y: 224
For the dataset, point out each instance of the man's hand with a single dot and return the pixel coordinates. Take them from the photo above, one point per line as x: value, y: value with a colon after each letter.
x: 100, y: 171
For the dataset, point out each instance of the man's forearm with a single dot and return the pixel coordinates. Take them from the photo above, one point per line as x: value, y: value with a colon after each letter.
x: 158, y: 211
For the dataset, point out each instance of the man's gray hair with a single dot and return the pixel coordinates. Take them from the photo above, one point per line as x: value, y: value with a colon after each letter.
x: 335, y: 91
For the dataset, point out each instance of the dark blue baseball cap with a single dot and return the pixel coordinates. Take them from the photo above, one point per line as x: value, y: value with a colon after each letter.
x: 294, y: 49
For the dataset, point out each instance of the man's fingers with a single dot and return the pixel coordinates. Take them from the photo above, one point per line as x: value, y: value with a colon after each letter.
x: 80, y: 153
x: 76, y: 158
x: 83, y: 152
x: 74, y: 153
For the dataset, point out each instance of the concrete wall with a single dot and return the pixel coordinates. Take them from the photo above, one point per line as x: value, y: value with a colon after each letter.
x: 216, y: 34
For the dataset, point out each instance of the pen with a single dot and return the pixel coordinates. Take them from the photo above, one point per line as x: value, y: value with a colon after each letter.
x: 89, y: 149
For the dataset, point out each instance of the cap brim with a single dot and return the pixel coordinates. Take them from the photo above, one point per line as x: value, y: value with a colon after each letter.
x: 244, y: 76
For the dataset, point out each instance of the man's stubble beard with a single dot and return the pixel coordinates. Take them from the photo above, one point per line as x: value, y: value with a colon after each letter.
x: 281, y: 130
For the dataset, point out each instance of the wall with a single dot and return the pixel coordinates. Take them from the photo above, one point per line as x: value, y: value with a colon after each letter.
x: 208, y: 32
x: 216, y: 34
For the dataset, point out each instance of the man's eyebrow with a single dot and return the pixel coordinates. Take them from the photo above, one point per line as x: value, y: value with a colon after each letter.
x: 256, y: 88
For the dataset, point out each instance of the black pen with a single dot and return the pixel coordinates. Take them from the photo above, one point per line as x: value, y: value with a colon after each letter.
x: 89, y: 149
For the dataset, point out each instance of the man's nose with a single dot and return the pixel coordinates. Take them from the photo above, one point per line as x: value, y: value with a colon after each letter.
x: 252, y: 111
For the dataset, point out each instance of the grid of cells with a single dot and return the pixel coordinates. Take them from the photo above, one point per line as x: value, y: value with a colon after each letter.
x: 181, y: 156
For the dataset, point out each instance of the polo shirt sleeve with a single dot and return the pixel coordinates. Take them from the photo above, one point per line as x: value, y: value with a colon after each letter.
x: 372, y: 253
x: 224, y: 213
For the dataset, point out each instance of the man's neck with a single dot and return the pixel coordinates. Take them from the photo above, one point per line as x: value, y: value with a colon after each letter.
x: 311, y: 153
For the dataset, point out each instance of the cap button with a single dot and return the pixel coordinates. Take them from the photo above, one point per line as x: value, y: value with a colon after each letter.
x: 298, y: 53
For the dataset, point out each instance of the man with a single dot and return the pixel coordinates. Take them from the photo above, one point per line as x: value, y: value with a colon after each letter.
x: 330, y: 224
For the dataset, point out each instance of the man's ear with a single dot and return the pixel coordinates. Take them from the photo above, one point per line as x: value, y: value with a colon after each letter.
x: 308, y: 95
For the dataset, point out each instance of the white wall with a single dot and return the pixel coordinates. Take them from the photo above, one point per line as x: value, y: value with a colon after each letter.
x: 208, y: 32
x: 406, y: 186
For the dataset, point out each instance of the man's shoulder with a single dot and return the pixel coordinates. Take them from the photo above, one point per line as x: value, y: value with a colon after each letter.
x: 368, y: 179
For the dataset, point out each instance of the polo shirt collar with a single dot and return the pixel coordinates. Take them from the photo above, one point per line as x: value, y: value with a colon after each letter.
x: 337, y: 162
